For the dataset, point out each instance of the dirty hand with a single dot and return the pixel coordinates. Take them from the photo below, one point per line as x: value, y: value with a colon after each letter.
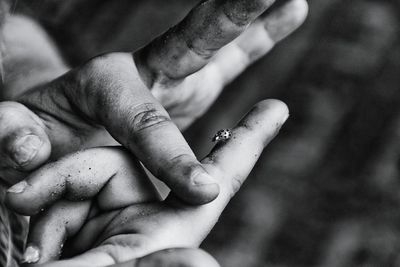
x: 82, y: 198
x: 133, y: 96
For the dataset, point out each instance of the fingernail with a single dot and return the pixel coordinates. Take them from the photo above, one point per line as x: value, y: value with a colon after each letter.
x: 18, y: 188
x: 26, y: 148
x: 31, y: 255
x: 202, y: 178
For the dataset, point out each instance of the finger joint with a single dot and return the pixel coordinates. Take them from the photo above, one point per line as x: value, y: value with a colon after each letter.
x: 148, y: 115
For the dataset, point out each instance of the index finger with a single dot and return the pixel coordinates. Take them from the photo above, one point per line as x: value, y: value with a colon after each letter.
x: 235, y: 158
x: 188, y: 46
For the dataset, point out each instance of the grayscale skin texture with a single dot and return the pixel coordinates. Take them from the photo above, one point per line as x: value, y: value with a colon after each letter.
x: 140, y: 101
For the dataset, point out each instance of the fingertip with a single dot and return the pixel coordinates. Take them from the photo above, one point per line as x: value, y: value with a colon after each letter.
x: 28, y: 150
x: 274, y: 104
x: 273, y: 110
x: 42, y: 155
x: 31, y: 255
x: 23, y: 140
x: 191, y: 182
x: 286, y: 19
x: 18, y: 188
x: 198, y: 191
x: 203, y: 194
x: 50, y: 229
x: 12, y: 198
x: 19, y: 199
x: 17, y: 206
x: 300, y: 11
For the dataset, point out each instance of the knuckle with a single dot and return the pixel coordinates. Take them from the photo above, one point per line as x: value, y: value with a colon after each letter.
x: 95, y: 71
x: 200, y: 51
x: 148, y: 116
x: 243, y: 12
x: 103, y: 63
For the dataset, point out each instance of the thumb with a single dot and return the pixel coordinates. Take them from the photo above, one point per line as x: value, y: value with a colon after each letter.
x: 24, y: 144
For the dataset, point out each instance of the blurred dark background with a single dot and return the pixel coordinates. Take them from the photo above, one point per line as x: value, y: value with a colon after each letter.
x: 327, y: 191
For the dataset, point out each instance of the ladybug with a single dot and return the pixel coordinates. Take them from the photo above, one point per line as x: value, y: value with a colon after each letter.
x: 222, y: 135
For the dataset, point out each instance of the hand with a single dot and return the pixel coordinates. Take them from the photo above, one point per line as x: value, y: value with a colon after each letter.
x: 109, y: 234
x: 182, y: 69
x: 91, y: 183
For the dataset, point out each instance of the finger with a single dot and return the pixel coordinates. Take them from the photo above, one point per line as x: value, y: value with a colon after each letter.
x: 111, y: 175
x: 50, y: 229
x: 24, y: 145
x: 92, y: 232
x: 285, y: 18
x: 184, y: 257
x: 108, y: 91
x: 207, y: 84
x: 234, y: 159
x: 187, y: 47
x: 230, y: 162
x: 256, y: 41
x: 135, y: 118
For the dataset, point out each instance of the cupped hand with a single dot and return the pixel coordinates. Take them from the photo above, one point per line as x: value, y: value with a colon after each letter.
x: 133, y: 96
x: 103, y: 228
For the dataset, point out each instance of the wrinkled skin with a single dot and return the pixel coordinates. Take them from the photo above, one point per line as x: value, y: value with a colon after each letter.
x: 106, y: 230
x: 133, y: 96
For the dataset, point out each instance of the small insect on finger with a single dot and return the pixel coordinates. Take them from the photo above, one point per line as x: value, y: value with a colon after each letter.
x: 222, y: 135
